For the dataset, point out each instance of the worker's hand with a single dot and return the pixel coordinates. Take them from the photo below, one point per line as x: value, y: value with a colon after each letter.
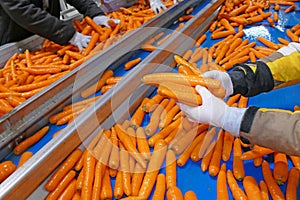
x: 103, y: 20
x: 214, y: 111
x: 80, y: 40
x: 157, y: 5
x: 223, y: 77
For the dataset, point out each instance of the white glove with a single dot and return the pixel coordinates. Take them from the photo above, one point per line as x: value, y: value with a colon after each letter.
x: 157, y: 5
x: 223, y: 77
x: 103, y: 20
x: 80, y: 40
x: 214, y: 111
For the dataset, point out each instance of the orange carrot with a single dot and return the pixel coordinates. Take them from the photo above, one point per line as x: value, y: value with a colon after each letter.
x: 5, y: 106
x: 292, y: 184
x: 206, y: 159
x: 214, y: 165
x: 124, y: 164
x: 137, y: 179
x: 61, y: 186
x: 251, y: 187
x: 154, y: 120
x: 236, y: 191
x: 280, y: 172
x: 97, y: 86
x: 160, y: 188
x: 90, y: 22
x: 292, y: 36
x: 6, y: 169
x: 91, y: 44
x: 142, y: 143
x: 130, y: 64
x: 273, y: 188
x: 189, y: 195
x: 264, y: 190
x: 64, y: 168
x: 268, y: 43
x: 296, y: 161
x: 138, y: 116
x: 238, y: 165
x: 201, y: 39
x: 22, y: 146
x: 152, y: 103
x: 174, y: 193
x: 99, y: 173
x: 154, y: 165
x: 257, y: 151
x: 24, y: 157
x: 171, y: 176
x: 243, y: 102
x: 126, y: 141
x: 183, y: 158
x: 118, y: 188
x: 69, y: 191
x: 106, y: 190
x: 114, y: 154
x: 222, y: 191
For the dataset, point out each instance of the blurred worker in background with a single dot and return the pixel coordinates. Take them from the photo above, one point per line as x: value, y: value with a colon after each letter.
x: 273, y: 128
x: 20, y: 19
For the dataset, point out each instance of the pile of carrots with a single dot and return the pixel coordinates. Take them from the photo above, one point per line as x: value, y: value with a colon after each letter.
x: 25, y: 74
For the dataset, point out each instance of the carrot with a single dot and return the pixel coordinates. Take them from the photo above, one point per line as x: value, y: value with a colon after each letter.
x: 169, y: 116
x: 118, y: 188
x: 280, y: 172
x: 137, y: 179
x: 90, y: 22
x: 185, y: 18
x: 79, y: 180
x: 292, y: 184
x: 126, y: 141
x: 187, y: 96
x: 25, y: 144
x: 257, y: 161
x: 222, y: 52
x: 124, y: 164
x: 97, y: 86
x: 130, y: 64
x: 24, y: 157
x: 28, y: 58
x: 181, y: 61
x: 251, y: 188
x: 222, y: 34
x: 154, y: 165
x: 290, y: 8
x: 296, y: 161
x: 56, y: 117
x: 268, y: 43
x: 5, y: 106
x: 69, y: 191
x: 243, y: 102
x: 214, y: 165
x: 257, y: 151
x: 114, y: 154
x: 105, y: 88
x: 189, y: 195
x: 64, y: 168
x: 113, y: 80
x: 106, y: 190
x: 236, y: 191
x: 99, y: 172
x: 201, y: 39
x: 152, y: 103
x: 148, y: 47
x: 222, y: 193
x: 160, y: 188
x: 292, y: 36
x: 6, y: 169
x: 206, y: 159
x: 264, y: 190
x: 165, y: 113
x: 32, y: 86
x: 213, y: 26
x: 196, y: 56
x: 142, y: 143
x: 61, y: 186
x: 273, y: 188
x: 154, y: 120
x: 171, y: 169
x: 174, y: 193
x: 238, y: 165
x: 232, y: 62
x: 91, y: 44
x: 227, y: 146
x: 183, y: 158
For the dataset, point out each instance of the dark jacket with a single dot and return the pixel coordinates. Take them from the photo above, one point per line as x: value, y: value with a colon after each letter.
x: 20, y: 19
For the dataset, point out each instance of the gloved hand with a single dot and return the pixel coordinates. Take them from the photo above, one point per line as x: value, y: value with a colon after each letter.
x: 223, y: 77
x: 157, y: 5
x: 103, y: 20
x: 214, y: 111
x: 80, y: 40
